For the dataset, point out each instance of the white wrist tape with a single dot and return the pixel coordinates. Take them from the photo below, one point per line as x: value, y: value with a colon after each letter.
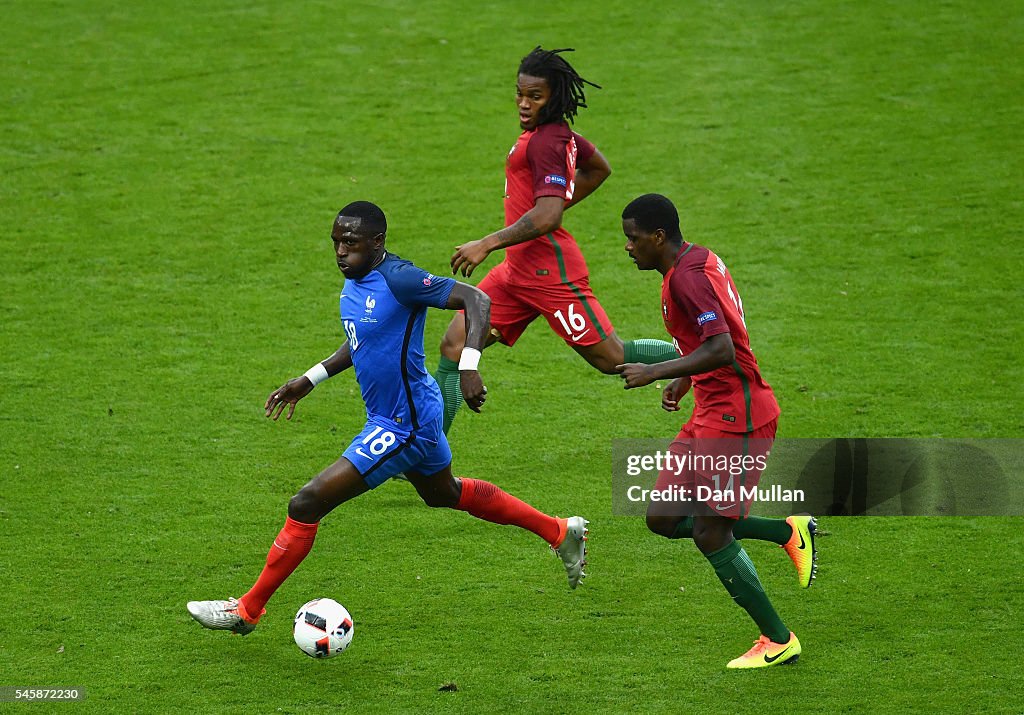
x: 470, y: 359
x: 317, y: 374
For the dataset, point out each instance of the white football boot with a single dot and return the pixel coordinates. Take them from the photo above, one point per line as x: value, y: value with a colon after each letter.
x: 220, y: 616
x: 573, y: 549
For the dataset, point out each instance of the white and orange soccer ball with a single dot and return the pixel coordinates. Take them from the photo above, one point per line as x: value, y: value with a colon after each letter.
x: 323, y: 628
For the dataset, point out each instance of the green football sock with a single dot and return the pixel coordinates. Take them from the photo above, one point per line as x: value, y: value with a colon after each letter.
x: 736, y: 572
x: 648, y: 351
x: 753, y: 527
x: 758, y: 527
x: 447, y: 377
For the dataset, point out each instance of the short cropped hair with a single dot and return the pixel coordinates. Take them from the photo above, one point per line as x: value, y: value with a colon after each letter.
x: 372, y: 217
x: 654, y: 211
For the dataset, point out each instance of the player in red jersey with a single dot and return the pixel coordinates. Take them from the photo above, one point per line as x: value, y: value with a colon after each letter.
x: 549, y: 169
x: 734, y: 417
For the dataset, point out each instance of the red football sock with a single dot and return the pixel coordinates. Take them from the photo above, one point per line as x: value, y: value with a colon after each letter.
x: 486, y: 501
x: 289, y: 549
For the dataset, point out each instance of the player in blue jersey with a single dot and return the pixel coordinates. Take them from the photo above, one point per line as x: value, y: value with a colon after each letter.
x: 383, y: 309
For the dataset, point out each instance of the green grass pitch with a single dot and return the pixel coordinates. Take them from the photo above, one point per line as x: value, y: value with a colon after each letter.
x: 168, y: 176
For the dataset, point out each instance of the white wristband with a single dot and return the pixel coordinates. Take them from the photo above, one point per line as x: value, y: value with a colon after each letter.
x: 317, y: 374
x: 470, y: 359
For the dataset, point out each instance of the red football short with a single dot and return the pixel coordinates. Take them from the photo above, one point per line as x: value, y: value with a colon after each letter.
x: 716, y: 472
x: 571, y: 309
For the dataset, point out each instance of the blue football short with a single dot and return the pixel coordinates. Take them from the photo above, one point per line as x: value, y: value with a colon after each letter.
x: 384, y: 448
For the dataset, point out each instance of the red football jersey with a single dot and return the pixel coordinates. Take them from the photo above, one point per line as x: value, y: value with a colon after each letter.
x: 698, y: 300
x: 543, y: 163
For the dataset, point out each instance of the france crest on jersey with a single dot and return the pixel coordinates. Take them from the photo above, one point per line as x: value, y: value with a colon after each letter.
x: 383, y: 314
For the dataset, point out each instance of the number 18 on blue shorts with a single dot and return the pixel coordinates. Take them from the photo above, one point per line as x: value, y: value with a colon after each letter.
x: 383, y: 449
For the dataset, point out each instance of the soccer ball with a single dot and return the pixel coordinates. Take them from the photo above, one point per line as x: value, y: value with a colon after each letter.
x: 323, y: 628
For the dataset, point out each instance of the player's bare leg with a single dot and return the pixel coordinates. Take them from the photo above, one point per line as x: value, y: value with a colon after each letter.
x: 664, y: 518
x: 447, y: 375
x: 490, y: 503
x: 333, y: 486
x: 612, y: 351
x: 606, y: 355
x: 437, y: 490
x: 712, y: 533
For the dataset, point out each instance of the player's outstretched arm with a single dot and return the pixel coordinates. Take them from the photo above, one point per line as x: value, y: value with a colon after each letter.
x: 715, y: 352
x: 544, y: 217
x: 589, y: 175
x: 478, y: 319
x: 295, y: 389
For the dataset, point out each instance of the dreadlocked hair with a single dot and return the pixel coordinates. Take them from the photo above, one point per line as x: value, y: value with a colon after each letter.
x: 566, y: 85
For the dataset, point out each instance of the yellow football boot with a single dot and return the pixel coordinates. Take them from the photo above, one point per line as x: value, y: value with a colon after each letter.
x: 766, y: 653
x: 801, y: 549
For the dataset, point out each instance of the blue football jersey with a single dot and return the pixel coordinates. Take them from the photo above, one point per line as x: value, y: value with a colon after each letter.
x: 383, y: 314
